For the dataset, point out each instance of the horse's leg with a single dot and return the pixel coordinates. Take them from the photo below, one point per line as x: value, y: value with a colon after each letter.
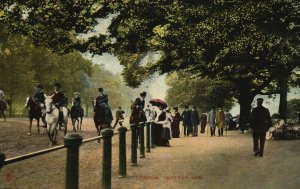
x: 54, y: 133
x: 73, y: 124
x: 4, y: 115
x: 38, y: 124
x: 80, y: 122
x: 30, y: 125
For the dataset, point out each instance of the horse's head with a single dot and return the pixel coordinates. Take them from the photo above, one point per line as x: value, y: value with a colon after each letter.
x: 48, y: 104
x: 26, y: 101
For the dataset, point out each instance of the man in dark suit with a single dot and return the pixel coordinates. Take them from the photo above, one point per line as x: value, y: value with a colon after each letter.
x: 186, y: 119
x: 260, y: 123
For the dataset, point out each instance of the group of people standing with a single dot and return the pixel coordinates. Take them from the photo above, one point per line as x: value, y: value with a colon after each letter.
x: 191, y: 121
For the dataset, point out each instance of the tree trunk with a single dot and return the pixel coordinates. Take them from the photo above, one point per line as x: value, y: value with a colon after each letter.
x: 11, y: 104
x: 86, y: 110
x: 283, y: 85
x: 245, y: 100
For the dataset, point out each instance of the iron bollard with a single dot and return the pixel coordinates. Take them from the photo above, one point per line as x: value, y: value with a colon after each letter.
x: 72, y: 142
x: 148, y: 137
x: 122, y: 152
x: 142, y: 140
x: 153, y: 135
x: 106, y: 160
x: 133, y: 145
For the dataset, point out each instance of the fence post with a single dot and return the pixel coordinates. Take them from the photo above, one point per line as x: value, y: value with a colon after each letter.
x: 148, y: 137
x: 72, y: 142
x: 122, y: 152
x: 142, y: 140
x: 133, y: 145
x: 106, y: 160
x: 153, y: 135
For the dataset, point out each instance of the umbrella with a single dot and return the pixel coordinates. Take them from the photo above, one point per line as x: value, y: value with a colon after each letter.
x: 158, y: 102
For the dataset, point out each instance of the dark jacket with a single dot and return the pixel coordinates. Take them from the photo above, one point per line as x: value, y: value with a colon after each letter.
x: 140, y: 103
x: 260, y: 119
x: 195, y: 117
x: 59, y: 98
x: 39, y: 97
x: 77, y: 101
x: 102, y: 99
x: 186, y: 117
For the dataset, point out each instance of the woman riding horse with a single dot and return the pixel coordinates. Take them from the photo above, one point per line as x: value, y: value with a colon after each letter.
x: 102, y: 113
x: 137, y: 111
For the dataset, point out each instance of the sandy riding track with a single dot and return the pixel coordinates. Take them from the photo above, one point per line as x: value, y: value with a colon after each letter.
x: 191, y: 162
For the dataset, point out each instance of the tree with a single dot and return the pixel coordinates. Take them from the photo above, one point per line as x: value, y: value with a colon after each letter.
x: 293, y: 110
x: 203, y: 93
x: 246, y: 43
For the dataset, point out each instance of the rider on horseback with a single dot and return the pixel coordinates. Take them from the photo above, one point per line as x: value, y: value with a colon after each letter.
x: 76, y: 102
x: 58, y: 99
x: 39, y: 98
x: 102, y: 99
x: 140, y: 103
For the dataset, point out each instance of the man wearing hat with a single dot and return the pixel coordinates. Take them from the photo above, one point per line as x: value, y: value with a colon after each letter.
x: 58, y: 99
x: 119, y: 117
x: 102, y: 99
x: 76, y: 102
x: 140, y: 103
x: 186, y: 118
x: 39, y: 98
x: 260, y: 123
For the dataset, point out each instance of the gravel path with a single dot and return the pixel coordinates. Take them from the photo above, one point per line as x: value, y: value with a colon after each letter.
x: 191, y: 162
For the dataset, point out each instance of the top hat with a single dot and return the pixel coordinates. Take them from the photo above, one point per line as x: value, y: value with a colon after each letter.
x: 143, y: 94
x: 57, y: 84
x: 260, y: 100
x: 39, y: 86
x: 100, y: 89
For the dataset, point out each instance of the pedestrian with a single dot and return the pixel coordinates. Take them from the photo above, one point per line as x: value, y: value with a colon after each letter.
x: 260, y: 124
x: 220, y: 121
x: 163, y: 128
x: 203, y: 122
x: 186, y: 119
x: 212, y: 121
x: 195, y: 120
x: 119, y: 117
x: 176, y: 123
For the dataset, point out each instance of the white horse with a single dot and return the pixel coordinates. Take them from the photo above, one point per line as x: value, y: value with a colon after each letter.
x: 52, y: 115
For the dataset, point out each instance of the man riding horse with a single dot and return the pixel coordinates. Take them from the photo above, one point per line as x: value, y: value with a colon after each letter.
x: 58, y: 99
x: 2, y: 100
x: 39, y: 98
x: 102, y: 100
x: 76, y: 102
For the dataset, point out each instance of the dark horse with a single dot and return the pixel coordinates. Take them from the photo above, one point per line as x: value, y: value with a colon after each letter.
x: 137, y: 116
x: 76, y: 114
x: 3, y: 107
x: 35, y: 112
x: 99, y: 118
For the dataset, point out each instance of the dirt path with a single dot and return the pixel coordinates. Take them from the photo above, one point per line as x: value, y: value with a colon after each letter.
x: 191, y: 162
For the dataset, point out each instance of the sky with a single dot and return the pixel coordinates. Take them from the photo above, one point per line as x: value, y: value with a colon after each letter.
x: 156, y: 87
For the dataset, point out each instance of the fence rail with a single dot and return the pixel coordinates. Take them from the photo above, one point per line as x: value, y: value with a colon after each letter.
x: 72, y: 143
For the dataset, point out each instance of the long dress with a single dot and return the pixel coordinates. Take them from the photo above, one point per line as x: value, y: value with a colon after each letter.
x: 163, y: 129
x: 175, y: 125
x: 203, y: 121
